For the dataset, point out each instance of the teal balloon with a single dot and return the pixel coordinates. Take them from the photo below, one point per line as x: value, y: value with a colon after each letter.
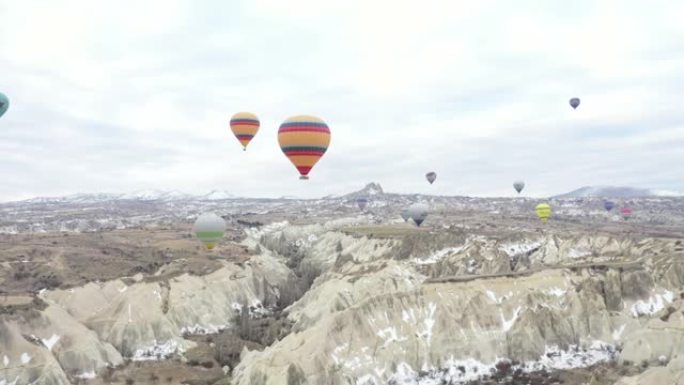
x: 4, y: 104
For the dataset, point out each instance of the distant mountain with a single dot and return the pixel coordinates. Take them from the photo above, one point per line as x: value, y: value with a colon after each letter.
x: 616, y: 192
x: 142, y: 195
x: 217, y: 195
x: 371, y: 190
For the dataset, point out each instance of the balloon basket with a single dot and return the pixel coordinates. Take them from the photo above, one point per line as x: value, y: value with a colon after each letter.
x: 304, y: 177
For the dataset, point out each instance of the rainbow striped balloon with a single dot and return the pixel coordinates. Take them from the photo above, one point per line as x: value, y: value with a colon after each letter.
x: 244, y: 125
x: 304, y: 139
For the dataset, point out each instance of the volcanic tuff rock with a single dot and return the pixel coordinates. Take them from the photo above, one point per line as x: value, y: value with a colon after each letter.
x: 385, y: 303
x: 86, y: 329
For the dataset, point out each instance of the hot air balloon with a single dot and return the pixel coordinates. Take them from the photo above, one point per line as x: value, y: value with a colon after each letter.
x: 304, y: 139
x: 362, y: 202
x: 626, y: 212
x: 244, y: 126
x: 543, y: 211
x: 431, y: 177
x: 209, y: 229
x: 608, y: 205
x: 519, y: 186
x: 405, y: 215
x: 4, y: 104
x: 574, y: 102
x: 418, y: 212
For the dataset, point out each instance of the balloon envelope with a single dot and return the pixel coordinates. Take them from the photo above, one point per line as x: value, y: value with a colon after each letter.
x: 574, y: 102
x: 209, y: 229
x: 4, y: 103
x: 431, y: 177
x: 608, y: 205
x: 626, y: 212
x: 405, y: 215
x: 244, y: 126
x: 519, y: 186
x: 362, y: 202
x: 543, y: 211
x: 304, y: 139
x: 418, y: 212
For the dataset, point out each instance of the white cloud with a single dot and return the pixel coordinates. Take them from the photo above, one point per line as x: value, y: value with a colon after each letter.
x: 129, y: 95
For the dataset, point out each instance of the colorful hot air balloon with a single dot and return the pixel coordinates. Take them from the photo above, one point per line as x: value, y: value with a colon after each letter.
x: 574, y: 102
x: 519, y: 186
x: 418, y: 212
x: 304, y: 139
x: 244, y: 126
x: 4, y: 104
x: 362, y: 202
x: 543, y: 211
x: 608, y: 205
x: 431, y: 176
x: 209, y: 229
x: 626, y: 212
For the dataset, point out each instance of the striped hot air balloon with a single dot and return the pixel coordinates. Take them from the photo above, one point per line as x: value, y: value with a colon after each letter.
x: 244, y: 125
x: 626, y: 212
x: 543, y: 211
x: 304, y: 139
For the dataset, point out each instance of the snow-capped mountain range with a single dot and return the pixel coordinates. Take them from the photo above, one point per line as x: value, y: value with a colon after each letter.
x: 617, y: 192
x: 142, y: 195
x: 370, y: 190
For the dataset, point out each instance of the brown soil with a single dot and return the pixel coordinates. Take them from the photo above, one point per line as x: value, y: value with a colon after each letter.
x: 31, y: 262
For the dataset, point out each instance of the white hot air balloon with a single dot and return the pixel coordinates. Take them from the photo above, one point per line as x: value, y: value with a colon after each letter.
x: 209, y: 229
x: 418, y: 212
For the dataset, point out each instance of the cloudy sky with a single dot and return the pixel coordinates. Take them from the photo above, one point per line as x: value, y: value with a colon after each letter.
x: 132, y: 95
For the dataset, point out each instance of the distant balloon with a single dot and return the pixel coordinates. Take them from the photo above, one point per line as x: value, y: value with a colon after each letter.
x: 418, y: 212
x: 405, y: 215
x: 608, y: 205
x: 362, y: 202
x: 519, y: 186
x: 543, y: 211
x: 209, y: 229
x: 431, y: 177
x: 244, y: 126
x: 626, y: 212
x: 574, y: 102
x: 4, y: 104
x: 304, y: 139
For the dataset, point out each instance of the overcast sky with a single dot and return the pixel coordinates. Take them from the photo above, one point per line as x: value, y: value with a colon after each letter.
x: 122, y: 96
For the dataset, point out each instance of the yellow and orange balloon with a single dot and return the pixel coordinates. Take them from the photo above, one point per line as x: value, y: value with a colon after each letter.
x: 244, y: 126
x: 304, y: 139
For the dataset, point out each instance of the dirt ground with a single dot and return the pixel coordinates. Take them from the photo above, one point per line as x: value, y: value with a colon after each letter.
x: 32, y: 262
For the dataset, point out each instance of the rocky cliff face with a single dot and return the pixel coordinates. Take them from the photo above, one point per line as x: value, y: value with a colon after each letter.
x: 84, y: 330
x: 382, y: 304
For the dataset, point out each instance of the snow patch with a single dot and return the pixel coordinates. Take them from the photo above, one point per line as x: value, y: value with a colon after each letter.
x: 507, y: 325
x: 390, y: 335
x: 556, y: 291
x: 513, y: 249
x: 437, y: 256
x: 50, y: 342
x: 25, y: 358
x: 460, y: 371
x: 618, y: 333
x: 87, y: 375
x: 654, y: 304
x: 157, y: 351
